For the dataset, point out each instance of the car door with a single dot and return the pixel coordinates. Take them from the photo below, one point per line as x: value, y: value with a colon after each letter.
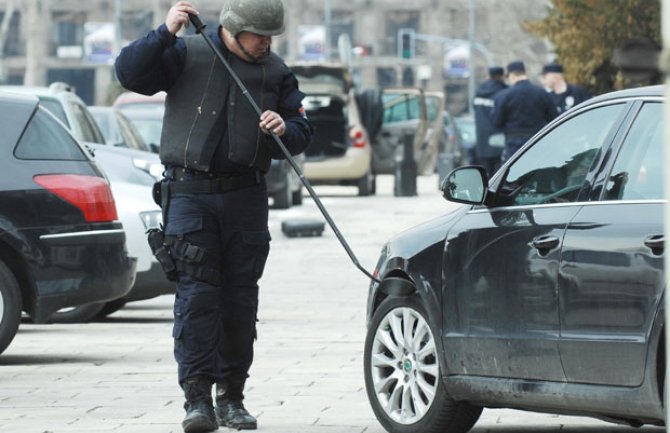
x: 501, y: 312
x: 405, y: 113
x: 611, y: 271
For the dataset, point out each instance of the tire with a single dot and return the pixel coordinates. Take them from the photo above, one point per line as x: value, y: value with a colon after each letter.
x: 399, y: 374
x: 367, y: 185
x: 297, y: 197
x: 111, y: 307
x: 284, y: 197
x: 79, y: 314
x: 10, y: 306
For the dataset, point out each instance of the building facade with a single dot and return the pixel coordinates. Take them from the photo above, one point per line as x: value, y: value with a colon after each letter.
x: 76, y: 41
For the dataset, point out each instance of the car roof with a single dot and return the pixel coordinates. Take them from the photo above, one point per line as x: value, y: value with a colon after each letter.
x: 54, y: 90
x: 638, y: 92
x: 137, y: 98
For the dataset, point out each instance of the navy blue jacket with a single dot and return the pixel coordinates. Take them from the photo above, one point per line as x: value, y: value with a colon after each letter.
x: 153, y: 63
x: 573, y: 95
x: 522, y: 110
x: 483, y: 107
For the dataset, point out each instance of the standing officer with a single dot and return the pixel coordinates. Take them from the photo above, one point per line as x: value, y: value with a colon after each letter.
x: 487, y: 155
x: 216, y: 151
x: 565, y: 95
x: 521, y: 110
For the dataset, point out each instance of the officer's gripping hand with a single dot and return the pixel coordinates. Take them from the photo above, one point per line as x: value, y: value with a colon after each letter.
x: 177, y: 16
x: 272, y: 122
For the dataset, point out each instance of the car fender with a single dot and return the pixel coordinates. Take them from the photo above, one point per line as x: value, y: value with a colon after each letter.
x: 12, y: 242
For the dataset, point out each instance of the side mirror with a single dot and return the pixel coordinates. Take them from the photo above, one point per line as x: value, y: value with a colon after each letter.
x: 154, y: 148
x: 466, y: 185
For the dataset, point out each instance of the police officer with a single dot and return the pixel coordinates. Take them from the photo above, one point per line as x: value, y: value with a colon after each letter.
x: 216, y: 151
x: 521, y: 110
x: 487, y: 155
x: 565, y: 95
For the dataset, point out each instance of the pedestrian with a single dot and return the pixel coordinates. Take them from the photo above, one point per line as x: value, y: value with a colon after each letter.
x: 565, y: 95
x: 216, y: 150
x: 521, y: 110
x: 490, y: 140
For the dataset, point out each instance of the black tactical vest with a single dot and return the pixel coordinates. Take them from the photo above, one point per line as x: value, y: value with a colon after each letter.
x: 197, y: 99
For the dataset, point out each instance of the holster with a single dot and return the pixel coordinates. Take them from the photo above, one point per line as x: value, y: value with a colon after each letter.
x: 161, y: 251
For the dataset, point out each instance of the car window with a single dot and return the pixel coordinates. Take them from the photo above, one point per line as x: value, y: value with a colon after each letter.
x: 399, y: 108
x: 554, y: 168
x: 86, y: 124
x: 432, y: 107
x: 638, y: 171
x: 46, y: 138
x: 57, y: 109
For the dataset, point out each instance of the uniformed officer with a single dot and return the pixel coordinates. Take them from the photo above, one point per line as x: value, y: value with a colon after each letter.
x: 216, y: 151
x: 521, y: 110
x: 486, y: 154
x: 565, y: 95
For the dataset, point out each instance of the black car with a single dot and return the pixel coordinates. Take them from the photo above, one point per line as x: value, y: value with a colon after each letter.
x: 543, y: 292
x: 61, y: 244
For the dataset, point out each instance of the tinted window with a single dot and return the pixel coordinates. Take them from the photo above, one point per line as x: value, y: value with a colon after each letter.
x: 46, y: 138
x: 638, y: 170
x: 432, y: 107
x: 554, y: 169
x: 57, y: 110
x: 89, y: 131
x: 401, y: 108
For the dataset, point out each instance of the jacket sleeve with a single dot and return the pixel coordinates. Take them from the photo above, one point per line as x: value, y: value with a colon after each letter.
x: 299, y: 132
x: 152, y: 63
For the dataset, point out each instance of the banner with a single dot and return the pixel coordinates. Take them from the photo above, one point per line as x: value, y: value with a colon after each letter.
x: 99, y: 42
x: 311, y: 43
x: 457, y: 61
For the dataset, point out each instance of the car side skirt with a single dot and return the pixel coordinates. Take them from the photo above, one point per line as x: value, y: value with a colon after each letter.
x: 634, y: 405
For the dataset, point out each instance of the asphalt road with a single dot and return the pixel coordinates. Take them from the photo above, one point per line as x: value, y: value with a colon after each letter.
x: 118, y: 375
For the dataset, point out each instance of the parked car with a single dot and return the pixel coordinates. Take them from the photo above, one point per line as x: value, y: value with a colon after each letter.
x: 145, y: 113
x: 61, y: 243
x: 117, y: 129
x: 465, y: 125
x: 405, y: 117
x: 451, y: 151
x: 340, y: 152
x: 121, y: 164
x: 544, y: 291
x: 283, y: 183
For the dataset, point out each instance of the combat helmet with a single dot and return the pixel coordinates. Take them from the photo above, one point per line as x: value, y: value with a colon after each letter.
x: 263, y: 17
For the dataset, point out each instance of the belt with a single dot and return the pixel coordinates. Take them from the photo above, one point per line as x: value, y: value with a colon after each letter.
x: 206, y: 183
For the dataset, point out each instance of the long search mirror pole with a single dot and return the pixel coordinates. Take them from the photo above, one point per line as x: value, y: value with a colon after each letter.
x: 199, y: 26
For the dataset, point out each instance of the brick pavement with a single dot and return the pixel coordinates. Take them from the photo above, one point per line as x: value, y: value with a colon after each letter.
x: 119, y: 375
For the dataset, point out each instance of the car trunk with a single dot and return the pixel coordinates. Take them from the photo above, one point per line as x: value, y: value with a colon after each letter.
x: 326, y: 115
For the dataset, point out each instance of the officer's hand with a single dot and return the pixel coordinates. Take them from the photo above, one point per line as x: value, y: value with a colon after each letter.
x: 177, y: 16
x: 272, y: 122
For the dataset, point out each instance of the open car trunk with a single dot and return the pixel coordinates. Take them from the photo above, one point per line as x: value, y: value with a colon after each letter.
x: 326, y: 114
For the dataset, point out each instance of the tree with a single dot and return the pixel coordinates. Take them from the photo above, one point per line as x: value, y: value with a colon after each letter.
x: 586, y: 33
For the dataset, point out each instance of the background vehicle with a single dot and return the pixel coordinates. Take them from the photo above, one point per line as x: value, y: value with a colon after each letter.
x: 340, y: 152
x: 543, y: 292
x: 405, y: 114
x: 117, y: 129
x: 283, y: 184
x: 146, y: 113
x: 127, y: 165
x: 61, y: 244
x: 465, y: 126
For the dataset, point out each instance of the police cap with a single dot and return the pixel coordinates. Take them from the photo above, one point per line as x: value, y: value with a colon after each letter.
x: 516, y: 66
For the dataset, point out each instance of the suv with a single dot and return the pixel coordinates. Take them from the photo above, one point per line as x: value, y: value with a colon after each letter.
x: 543, y: 291
x: 340, y: 152
x: 60, y: 242
x: 122, y: 165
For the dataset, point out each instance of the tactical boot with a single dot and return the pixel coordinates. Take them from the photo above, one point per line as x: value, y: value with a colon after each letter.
x: 230, y: 411
x: 200, y: 416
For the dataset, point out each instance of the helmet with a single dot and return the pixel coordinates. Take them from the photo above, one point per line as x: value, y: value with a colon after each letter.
x: 263, y: 17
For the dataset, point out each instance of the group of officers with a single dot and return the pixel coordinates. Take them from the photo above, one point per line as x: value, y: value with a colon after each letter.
x: 509, y: 109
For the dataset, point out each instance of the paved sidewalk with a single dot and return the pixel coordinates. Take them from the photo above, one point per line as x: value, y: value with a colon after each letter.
x: 119, y: 375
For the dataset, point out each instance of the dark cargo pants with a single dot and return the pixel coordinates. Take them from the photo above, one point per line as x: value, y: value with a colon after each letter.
x: 215, y: 324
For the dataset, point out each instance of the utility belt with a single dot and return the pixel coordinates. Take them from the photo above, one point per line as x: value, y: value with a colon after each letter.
x: 193, y: 259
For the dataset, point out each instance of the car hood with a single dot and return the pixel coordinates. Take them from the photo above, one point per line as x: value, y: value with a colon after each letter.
x: 412, y: 241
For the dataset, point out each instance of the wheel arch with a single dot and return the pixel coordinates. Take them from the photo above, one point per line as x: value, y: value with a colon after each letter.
x: 17, y: 264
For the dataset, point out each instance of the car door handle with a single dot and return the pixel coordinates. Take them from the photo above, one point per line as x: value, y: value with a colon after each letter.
x: 656, y: 243
x: 545, y: 243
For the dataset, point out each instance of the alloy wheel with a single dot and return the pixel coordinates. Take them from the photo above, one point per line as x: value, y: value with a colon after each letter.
x: 404, y: 365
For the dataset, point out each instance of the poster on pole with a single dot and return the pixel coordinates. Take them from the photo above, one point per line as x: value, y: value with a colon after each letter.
x: 457, y: 61
x: 312, y: 42
x: 99, y: 42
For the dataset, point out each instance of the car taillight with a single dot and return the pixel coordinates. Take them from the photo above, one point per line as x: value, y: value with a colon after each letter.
x: 91, y: 194
x: 358, y: 137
